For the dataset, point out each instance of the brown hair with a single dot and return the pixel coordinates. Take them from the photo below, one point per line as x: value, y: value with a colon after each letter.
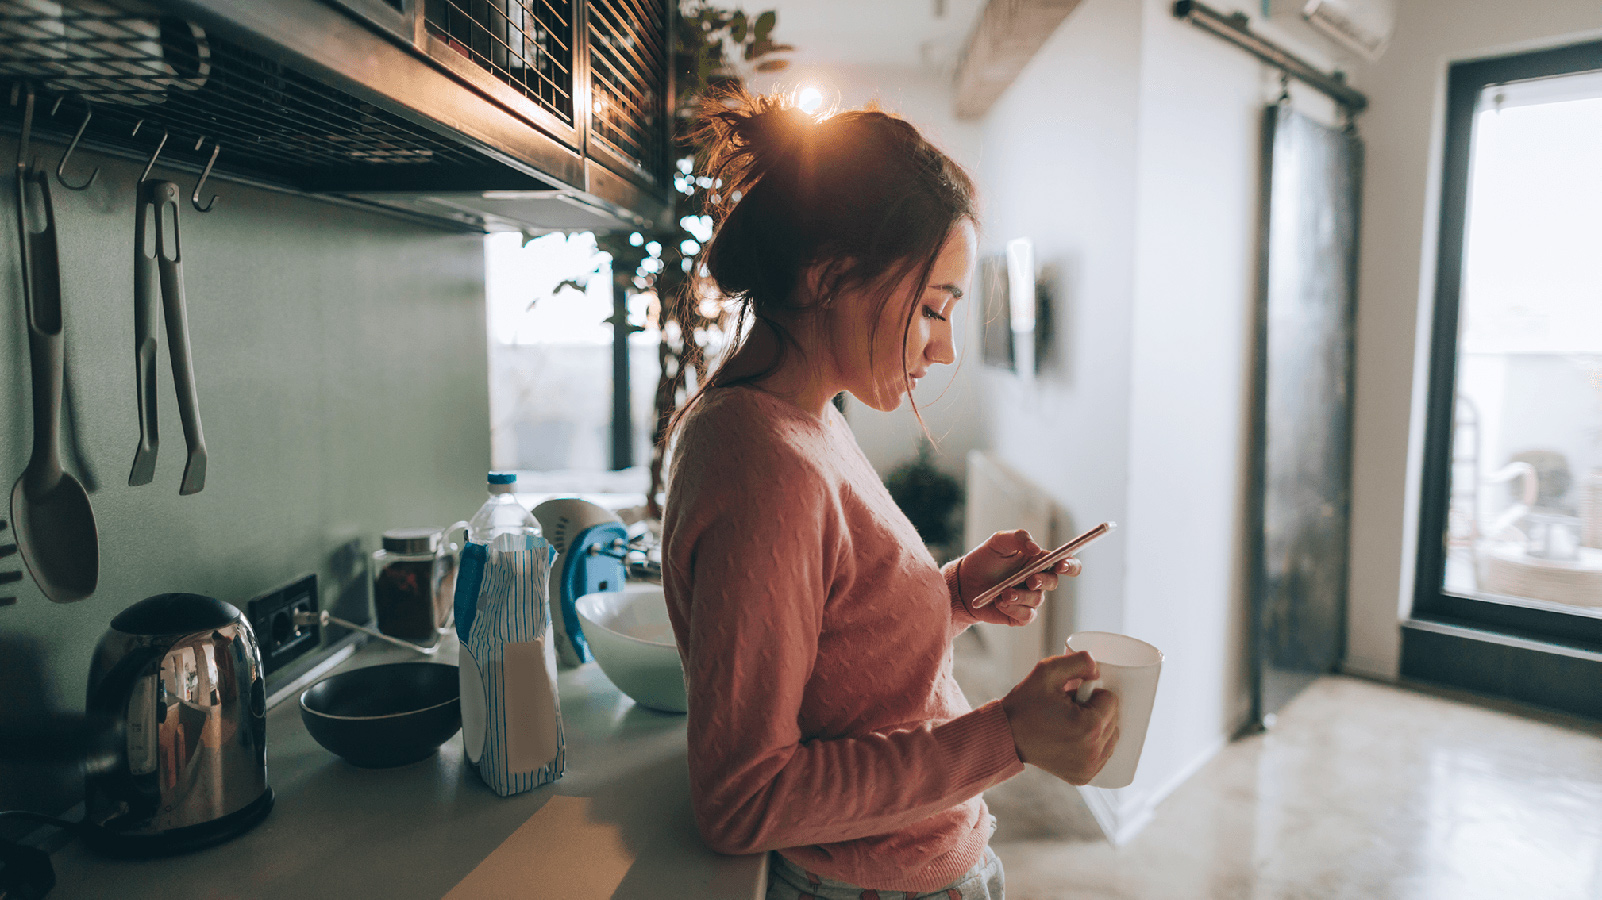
x: 860, y: 192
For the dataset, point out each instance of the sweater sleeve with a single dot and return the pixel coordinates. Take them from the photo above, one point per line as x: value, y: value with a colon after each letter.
x: 961, y: 615
x: 758, y: 583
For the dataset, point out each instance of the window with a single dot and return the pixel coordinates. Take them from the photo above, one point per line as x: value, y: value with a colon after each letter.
x: 1513, y: 468
x: 551, y: 365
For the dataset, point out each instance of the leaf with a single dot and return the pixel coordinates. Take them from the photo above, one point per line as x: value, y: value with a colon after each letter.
x: 738, y: 28
x: 772, y: 65
x: 764, y: 25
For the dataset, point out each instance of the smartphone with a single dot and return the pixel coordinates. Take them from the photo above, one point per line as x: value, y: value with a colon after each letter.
x: 1041, y: 563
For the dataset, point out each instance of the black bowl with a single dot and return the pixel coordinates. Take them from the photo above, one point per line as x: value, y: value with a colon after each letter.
x: 384, y: 716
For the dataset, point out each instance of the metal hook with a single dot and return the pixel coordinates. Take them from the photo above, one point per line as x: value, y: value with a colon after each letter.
x: 1284, y: 86
x: 152, y: 163
x: 61, y: 176
x: 194, y: 198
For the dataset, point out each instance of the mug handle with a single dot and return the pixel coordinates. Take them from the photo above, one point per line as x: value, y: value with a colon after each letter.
x: 447, y: 545
x: 1085, y: 690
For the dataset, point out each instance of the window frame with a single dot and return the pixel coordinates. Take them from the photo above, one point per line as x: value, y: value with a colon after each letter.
x: 1523, y: 618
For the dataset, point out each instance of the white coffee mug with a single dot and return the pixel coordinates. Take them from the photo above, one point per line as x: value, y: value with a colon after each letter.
x: 1129, y: 669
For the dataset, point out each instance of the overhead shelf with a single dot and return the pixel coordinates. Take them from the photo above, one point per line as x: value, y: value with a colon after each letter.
x: 382, y: 104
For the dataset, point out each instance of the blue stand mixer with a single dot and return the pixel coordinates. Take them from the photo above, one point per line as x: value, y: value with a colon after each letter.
x: 591, y: 545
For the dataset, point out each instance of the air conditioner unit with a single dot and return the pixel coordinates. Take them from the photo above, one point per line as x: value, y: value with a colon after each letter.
x: 1362, y: 27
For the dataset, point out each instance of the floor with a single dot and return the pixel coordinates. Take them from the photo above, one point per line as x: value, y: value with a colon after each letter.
x: 1360, y: 791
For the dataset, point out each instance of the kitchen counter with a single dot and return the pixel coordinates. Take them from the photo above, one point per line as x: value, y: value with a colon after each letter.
x: 616, y: 825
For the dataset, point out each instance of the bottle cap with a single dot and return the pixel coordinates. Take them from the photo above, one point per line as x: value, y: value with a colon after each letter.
x: 503, y: 478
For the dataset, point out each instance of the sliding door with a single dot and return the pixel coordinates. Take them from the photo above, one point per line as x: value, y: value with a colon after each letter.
x: 1302, y: 426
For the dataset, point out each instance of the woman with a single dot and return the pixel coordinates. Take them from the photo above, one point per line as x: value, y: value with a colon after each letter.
x: 816, y: 630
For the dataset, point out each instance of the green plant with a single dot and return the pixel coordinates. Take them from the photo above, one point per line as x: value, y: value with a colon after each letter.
x: 714, y: 46
x: 927, y: 495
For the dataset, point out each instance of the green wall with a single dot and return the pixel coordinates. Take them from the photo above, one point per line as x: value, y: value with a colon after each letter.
x: 340, y: 362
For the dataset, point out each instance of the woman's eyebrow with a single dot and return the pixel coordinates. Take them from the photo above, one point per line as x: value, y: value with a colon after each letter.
x: 953, y: 290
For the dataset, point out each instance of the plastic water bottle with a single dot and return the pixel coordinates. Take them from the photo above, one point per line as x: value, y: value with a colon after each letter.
x: 501, y: 513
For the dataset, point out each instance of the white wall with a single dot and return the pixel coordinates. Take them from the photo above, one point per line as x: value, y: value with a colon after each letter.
x: 1403, y: 128
x: 1201, y: 104
x: 1058, y: 165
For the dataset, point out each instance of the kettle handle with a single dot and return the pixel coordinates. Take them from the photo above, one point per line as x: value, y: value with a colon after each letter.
x: 111, y: 697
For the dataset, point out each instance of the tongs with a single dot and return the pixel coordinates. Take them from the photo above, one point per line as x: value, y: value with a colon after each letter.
x: 163, y: 262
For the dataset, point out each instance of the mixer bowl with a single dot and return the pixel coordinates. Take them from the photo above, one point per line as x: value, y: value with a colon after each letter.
x: 632, y: 639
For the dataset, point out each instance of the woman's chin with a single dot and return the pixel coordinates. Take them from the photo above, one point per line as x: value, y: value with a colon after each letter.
x: 886, y: 401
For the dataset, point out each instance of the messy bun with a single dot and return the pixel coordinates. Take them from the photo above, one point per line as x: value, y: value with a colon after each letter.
x: 861, y: 192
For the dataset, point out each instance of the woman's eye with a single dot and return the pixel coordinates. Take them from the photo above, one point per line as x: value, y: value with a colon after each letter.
x: 930, y: 312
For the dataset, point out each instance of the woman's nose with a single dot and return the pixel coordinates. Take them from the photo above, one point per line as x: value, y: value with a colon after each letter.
x: 940, y: 349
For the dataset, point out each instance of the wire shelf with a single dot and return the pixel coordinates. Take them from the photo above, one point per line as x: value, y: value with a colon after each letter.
x: 137, y: 74
x: 526, y: 43
x: 628, y: 85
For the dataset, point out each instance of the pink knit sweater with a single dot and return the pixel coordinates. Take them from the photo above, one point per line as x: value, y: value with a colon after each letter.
x: 816, y: 633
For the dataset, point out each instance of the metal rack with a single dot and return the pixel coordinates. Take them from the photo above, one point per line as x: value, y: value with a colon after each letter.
x: 527, y: 44
x: 130, y: 79
x: 297, y: 95
x: 628, y: 84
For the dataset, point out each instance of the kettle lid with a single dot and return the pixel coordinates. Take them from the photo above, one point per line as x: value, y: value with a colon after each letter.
x: 174, y: 614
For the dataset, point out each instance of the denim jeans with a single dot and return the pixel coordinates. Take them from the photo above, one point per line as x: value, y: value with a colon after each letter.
x: 788, y: 881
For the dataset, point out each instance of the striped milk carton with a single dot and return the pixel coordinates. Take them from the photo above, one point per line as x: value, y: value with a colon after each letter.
x: 511, y: 719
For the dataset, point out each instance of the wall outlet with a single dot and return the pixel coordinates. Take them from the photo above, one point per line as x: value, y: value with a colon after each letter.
x: 272, y: 617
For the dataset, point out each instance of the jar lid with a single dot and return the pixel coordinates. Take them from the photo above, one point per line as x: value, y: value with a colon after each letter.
x: 412, y: 540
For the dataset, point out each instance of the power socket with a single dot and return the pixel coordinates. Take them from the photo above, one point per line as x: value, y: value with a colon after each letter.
x: 272, y: 617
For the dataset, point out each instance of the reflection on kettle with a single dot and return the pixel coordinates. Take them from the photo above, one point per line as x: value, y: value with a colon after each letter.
x: 182, y: 674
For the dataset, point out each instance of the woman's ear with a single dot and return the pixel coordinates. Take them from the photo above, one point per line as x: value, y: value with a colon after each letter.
x: 817, y: 285
x: 822, y: 282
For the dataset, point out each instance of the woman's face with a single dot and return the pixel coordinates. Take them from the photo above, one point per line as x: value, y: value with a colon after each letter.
x: 870, y: 358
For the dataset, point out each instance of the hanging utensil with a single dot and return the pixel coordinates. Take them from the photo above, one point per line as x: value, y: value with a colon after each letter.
x: 164, y: 197
x: 50, y: 511
x: 145, y: 340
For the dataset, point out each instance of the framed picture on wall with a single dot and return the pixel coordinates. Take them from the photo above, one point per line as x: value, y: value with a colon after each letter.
x: 996, y: 327
x: 1006, y: 329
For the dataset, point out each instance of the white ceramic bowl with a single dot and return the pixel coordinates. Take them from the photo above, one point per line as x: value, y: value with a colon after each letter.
x: 632, y: 639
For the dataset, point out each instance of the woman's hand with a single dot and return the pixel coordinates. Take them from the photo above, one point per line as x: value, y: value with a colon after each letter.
x: 1051, y: 730
x: 994, y: 560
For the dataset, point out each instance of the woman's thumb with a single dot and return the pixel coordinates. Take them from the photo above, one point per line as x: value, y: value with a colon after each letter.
x: 1010, y: 543
x: 1078, y: 667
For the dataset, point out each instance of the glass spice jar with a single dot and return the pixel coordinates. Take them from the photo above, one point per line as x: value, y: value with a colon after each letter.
x: 409, y: 573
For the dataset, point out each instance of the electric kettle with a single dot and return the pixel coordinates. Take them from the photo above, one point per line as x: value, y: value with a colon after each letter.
x: 181, y: 675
